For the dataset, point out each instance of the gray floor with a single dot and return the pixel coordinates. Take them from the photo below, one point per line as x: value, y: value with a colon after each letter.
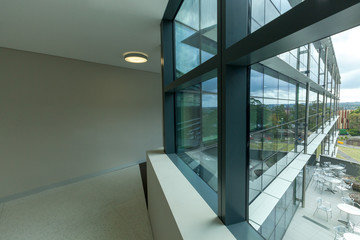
x: 107, y: 207
x: 319, y: 228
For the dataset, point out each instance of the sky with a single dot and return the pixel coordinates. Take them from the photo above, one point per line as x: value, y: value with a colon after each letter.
x: 347, y: 51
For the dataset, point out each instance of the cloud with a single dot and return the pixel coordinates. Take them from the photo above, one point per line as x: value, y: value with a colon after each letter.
x: 350, y: 79
x: 350, y: 95
x: 347, y: 51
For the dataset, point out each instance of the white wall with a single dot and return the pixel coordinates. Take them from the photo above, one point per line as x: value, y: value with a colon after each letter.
x: 63, y: 118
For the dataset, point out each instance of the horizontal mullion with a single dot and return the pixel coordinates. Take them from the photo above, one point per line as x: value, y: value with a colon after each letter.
x: 172, y: 9
x: 194, y: 76
x: 307, y: 22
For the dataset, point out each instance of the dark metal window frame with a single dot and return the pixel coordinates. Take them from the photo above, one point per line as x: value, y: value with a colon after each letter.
x: 237, y: 49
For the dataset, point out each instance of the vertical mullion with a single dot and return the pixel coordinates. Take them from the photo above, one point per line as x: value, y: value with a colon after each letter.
x: 306, y: 130
x: 221, y: 161
x: 234, y: 126
x: 167, y: 68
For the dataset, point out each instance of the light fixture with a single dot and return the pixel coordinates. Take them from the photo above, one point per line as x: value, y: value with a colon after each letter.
x: 135, y: 57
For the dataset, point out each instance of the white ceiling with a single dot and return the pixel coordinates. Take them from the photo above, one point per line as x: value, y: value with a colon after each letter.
x: 91, y: 30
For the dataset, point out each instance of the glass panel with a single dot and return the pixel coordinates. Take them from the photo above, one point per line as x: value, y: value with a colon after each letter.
x: 187, y: 56
x: 258, y: 11
x: 270, y: 11
x: 256, y: 114
x: 189, y: 14
x: 277, y: 4
x: 196, y: 128
x: 271, y: 83
x: 270, y: 117
x: 285, y: 6
x: 292, y: 91
x: 268, y: 225
x: 301, y: 110
x: 269, y: 168
x: 282, y: 111
x: 269, y: 143
x: 283, y: 88
x: 302, y: 93
x: 255, y: 168
x: 195, y: 36
x: 292, y: 111
x: 256, y: 81
x: 254, y: 25
x: 264, y: 11
x: 290, y: 136
x: 208, y: 26
x: 280, y: 227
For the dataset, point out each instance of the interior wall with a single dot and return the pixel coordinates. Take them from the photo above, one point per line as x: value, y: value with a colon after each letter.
x: 62, y: 118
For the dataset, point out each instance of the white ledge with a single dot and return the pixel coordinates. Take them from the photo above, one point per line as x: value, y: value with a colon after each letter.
x: 176, y: 209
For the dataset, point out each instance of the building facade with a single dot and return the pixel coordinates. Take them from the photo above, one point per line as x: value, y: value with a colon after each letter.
x: 249, y: 105
x: 343, y: 122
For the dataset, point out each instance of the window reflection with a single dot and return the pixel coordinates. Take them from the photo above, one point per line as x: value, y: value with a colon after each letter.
x: 196, y: 128
x: 195, y: 34
x: 277, y: 124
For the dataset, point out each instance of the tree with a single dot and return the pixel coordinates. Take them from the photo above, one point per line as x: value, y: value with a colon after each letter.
x: 343, y: 132
x: 355, y: 111
x: 354, y: 123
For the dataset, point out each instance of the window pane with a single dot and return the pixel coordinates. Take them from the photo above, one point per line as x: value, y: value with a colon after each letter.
x: 270, y: 117
x: 258, y: 11
x: 283, y: 88
x: 189, y: 14
x: 270, y: 11
x: 195, y: 34
x: 256, y: 81
x: 187, y: 56
x: 271, y: 83
x: 256, y: 114
x: 196, y: 128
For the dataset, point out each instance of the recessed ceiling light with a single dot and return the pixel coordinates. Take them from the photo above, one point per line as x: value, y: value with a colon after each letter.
x: 135, y: 57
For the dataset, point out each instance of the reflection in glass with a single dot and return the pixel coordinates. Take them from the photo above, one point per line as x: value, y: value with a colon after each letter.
x: 256, y: 114
x: 195, y: 34
x: 264, y: 11
x: 270, y: 11
x: 196, y: 128
x: 257, y: 81
x: 271, y: 83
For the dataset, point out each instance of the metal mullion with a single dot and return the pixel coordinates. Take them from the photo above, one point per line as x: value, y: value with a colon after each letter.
x: 273, y: 38
x: 306, y: 117
x: 193, y: 77
x: 167, y: 68
x: 234, y: 121
x: 171, y: 10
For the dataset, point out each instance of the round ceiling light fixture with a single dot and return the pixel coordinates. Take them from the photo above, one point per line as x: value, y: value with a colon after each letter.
x: 135, y: 57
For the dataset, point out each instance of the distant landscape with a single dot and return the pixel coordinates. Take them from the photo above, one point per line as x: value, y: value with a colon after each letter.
x: 349, y: 105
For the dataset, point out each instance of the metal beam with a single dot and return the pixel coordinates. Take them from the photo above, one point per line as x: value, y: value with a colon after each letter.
x: 192, y: 77
x: 167, y: 61
x: 309, y: 21
x: 306, y: 130
x: 234, y: 83
x: 308, y: 61
x: 171, y: 9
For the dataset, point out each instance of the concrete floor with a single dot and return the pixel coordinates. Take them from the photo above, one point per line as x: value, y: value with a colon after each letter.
x: 106, y: 207
x: 318, y: 228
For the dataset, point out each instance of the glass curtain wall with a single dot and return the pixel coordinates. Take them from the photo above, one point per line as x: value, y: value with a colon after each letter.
x: 277, y: 222
x: 196, y: 110
x: 277, y: 107
x: 196, y: 128
x: 264, y: 11
x: 276, y: 125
